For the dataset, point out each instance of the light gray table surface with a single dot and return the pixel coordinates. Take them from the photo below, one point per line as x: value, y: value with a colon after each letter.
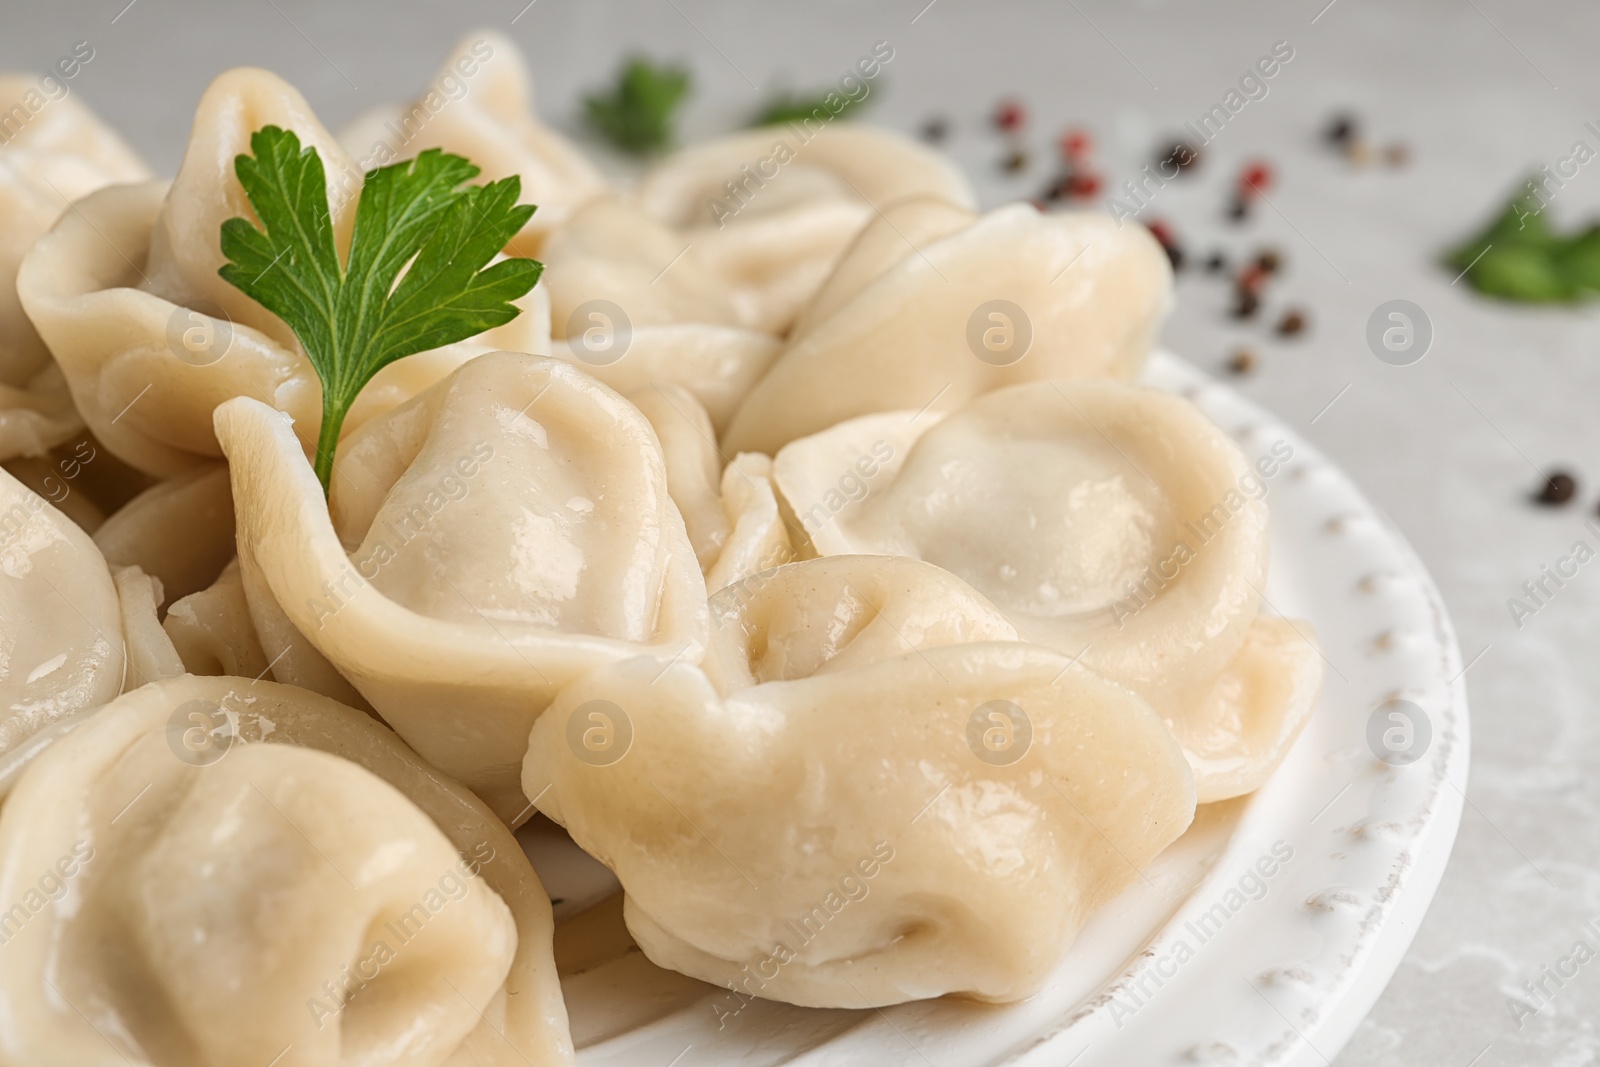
x: 1480, y: 91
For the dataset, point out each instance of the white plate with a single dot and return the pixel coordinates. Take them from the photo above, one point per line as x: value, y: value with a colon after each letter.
x: 1176, y: 970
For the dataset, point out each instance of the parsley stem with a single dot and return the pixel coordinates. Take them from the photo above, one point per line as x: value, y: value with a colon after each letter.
x: 333, y: 410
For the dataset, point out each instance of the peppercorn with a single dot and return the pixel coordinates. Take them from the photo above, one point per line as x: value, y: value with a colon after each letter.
x: 1396, y: 155
x: 1180, y: 155
x: 1246, y: 304
x: 1010, y: 116
x: 1216, y: 263
x: 1269, y: 260
x: 935, y: 130
x: 1255, y: 178
x: 1076, y: 145
x: 1015, y: 162
x: 1341, y: 131
x: 1239, y: 209
x: 1559, y: 487
x: 1083, y: 184
x: 1243, y: 361
x: 1292, y: 323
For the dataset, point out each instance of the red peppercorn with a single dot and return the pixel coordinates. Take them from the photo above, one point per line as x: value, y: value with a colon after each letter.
x: 1255, y: 178
x: 1083, y: 184
x: 1076, y: 145
x: 1010, y: 116
x: 1252, y: 278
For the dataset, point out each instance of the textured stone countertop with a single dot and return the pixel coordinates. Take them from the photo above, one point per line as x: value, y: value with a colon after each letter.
x: 1480, y: 92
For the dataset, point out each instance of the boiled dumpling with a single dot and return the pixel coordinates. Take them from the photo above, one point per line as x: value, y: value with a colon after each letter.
x: 58, y: 154
x: 179, y: 530
x: 238, y: 873
x: 932, y: 306
x: 481, y: 106
x: 769, y: 211
x: 1105, y: 519
x: 611, y: 257
x: 949, y: 816
x: 125, y: 292
x: 491, y: 539
x: 717, y: 364
x: 61, y: 644
x: 212, y: 631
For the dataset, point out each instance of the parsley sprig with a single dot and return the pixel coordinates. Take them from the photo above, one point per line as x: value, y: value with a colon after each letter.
x: 1519, y: 257
x: 638, y: 114
x: 417, y: 217
x: 793, y: 108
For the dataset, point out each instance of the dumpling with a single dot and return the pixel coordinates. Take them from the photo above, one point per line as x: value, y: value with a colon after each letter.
x: 125, y: 292
x: 481, y: 107
x: 59, y: 153
x: 932, y: 306
x: 61, y: 642
x: 1106, y: 520
x: 151, y: 656
x: 612, y: 259
x: 490, y: 540
x: 179, y: 530
x: 212, y: 632
x: 759, y: 536
x: 769, y: 211
x: 235, y: 871
x: 950, y: 814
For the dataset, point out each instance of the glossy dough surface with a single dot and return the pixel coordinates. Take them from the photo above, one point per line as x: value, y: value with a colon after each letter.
x: 491, y: 540
x: 1105, y: 520
x: 906, y: 865
x: 245, y: 870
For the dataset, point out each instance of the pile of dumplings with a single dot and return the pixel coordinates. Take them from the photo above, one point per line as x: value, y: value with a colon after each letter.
x: 871, y: 657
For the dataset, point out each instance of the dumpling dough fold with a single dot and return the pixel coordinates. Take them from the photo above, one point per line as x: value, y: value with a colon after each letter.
x: 858, y: 849
x: 889, y: 712
x: 932, y: 306
x: 59, y: 153
x: 481, y: 106
x: 490, y: 540
x: 1105, y: 520
x: 234, y: 871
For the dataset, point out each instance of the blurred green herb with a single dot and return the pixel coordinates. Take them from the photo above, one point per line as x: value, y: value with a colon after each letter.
x: 799, y: 108
x: 638, y: 114
x: 1518, y: 257
x: 353, y: 319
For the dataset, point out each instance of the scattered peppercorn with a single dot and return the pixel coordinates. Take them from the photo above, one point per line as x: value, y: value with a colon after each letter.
x: 1559, y: 487
x: 935, y: 130
x: 1169, y: 242
x: 1358, y: 153
x: 1396, y: 155
x: 1243, y: 361
x: 1269, y: 260
x: 1239, y: 209
x: 1216, y: 263
x: 1246, y: 304
x: 1292, y: 323
x: 1076, y: 145
x: 1176, y: 158
x: 1015, y: 162
x: 1255, y: 178
x: 1251, y: 279
x: 1083, y: 184
x: 1010, y: 116
x: 1341, y: 131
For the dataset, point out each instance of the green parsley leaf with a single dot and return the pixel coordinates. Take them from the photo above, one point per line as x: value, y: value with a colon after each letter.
x: 637, y: 116
x: 1518, y: 257
x: 353, y: 320
x: 799, y: 108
